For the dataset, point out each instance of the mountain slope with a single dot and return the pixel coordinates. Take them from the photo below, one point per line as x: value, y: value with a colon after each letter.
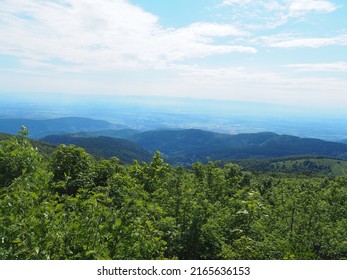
x: 170, y: 141
x: 105, y: 147
x: 41, y: 128
x: 187, y: 146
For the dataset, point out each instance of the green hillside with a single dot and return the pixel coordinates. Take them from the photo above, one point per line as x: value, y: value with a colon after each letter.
x: 308, y: 166
x: 104, y: 147
x: 296, y: 165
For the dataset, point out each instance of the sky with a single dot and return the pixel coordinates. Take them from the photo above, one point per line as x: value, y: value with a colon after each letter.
x: 291, y: 52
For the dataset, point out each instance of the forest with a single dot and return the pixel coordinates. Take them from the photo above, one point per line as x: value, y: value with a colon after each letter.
x: 69, y: 205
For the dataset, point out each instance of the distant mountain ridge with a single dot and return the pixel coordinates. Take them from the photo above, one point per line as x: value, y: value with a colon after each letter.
x: 42, y: 128
x: 125, y: 133
x: 191, y: 145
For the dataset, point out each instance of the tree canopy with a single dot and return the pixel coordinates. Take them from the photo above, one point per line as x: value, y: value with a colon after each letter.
x: 72, y: 206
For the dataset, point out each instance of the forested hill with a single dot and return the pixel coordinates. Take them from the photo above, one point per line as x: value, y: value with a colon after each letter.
x: 104, y: 147
x: 187, y: 146
x: 170, y: 141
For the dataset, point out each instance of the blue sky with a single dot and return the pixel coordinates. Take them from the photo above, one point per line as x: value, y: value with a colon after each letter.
x: 291, y: 52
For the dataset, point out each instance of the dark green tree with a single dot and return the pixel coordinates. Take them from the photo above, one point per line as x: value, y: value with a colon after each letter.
x: 72, y: 169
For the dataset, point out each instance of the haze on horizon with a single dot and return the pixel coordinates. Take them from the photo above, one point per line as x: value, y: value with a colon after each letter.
x: 286, y: 52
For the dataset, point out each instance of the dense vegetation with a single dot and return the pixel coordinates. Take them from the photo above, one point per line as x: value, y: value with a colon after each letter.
x: 70, y: 206
x: 296, y: 165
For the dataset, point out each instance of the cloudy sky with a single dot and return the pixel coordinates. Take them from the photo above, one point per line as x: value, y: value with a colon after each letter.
x: 271, y: 51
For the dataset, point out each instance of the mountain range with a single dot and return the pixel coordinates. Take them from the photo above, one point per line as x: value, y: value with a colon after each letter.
x: 180, y: 146
x: 188, y: 146
x: 191, y: 145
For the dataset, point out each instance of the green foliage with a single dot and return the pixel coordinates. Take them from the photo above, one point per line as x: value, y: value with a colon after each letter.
x: 70, y: 206
x: 104, y: 170
x: 17, y: 158
x: 151, y: 176
x: 72, y: 169
x: 23, y: 132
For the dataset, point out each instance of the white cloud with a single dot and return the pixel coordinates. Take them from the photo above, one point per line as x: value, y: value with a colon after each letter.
x: 295, y: 7
x: 300, y: 7
x: 214, y: 30
x: 320, y: 67
x: 103, y: 35
x: 233, y: 2
x: 284, y: 41
x: 73, y: 37
x: 270, y: 14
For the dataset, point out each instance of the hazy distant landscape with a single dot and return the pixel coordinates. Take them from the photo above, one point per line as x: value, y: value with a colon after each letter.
x: 184, y: 130
x: 151, y: 113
